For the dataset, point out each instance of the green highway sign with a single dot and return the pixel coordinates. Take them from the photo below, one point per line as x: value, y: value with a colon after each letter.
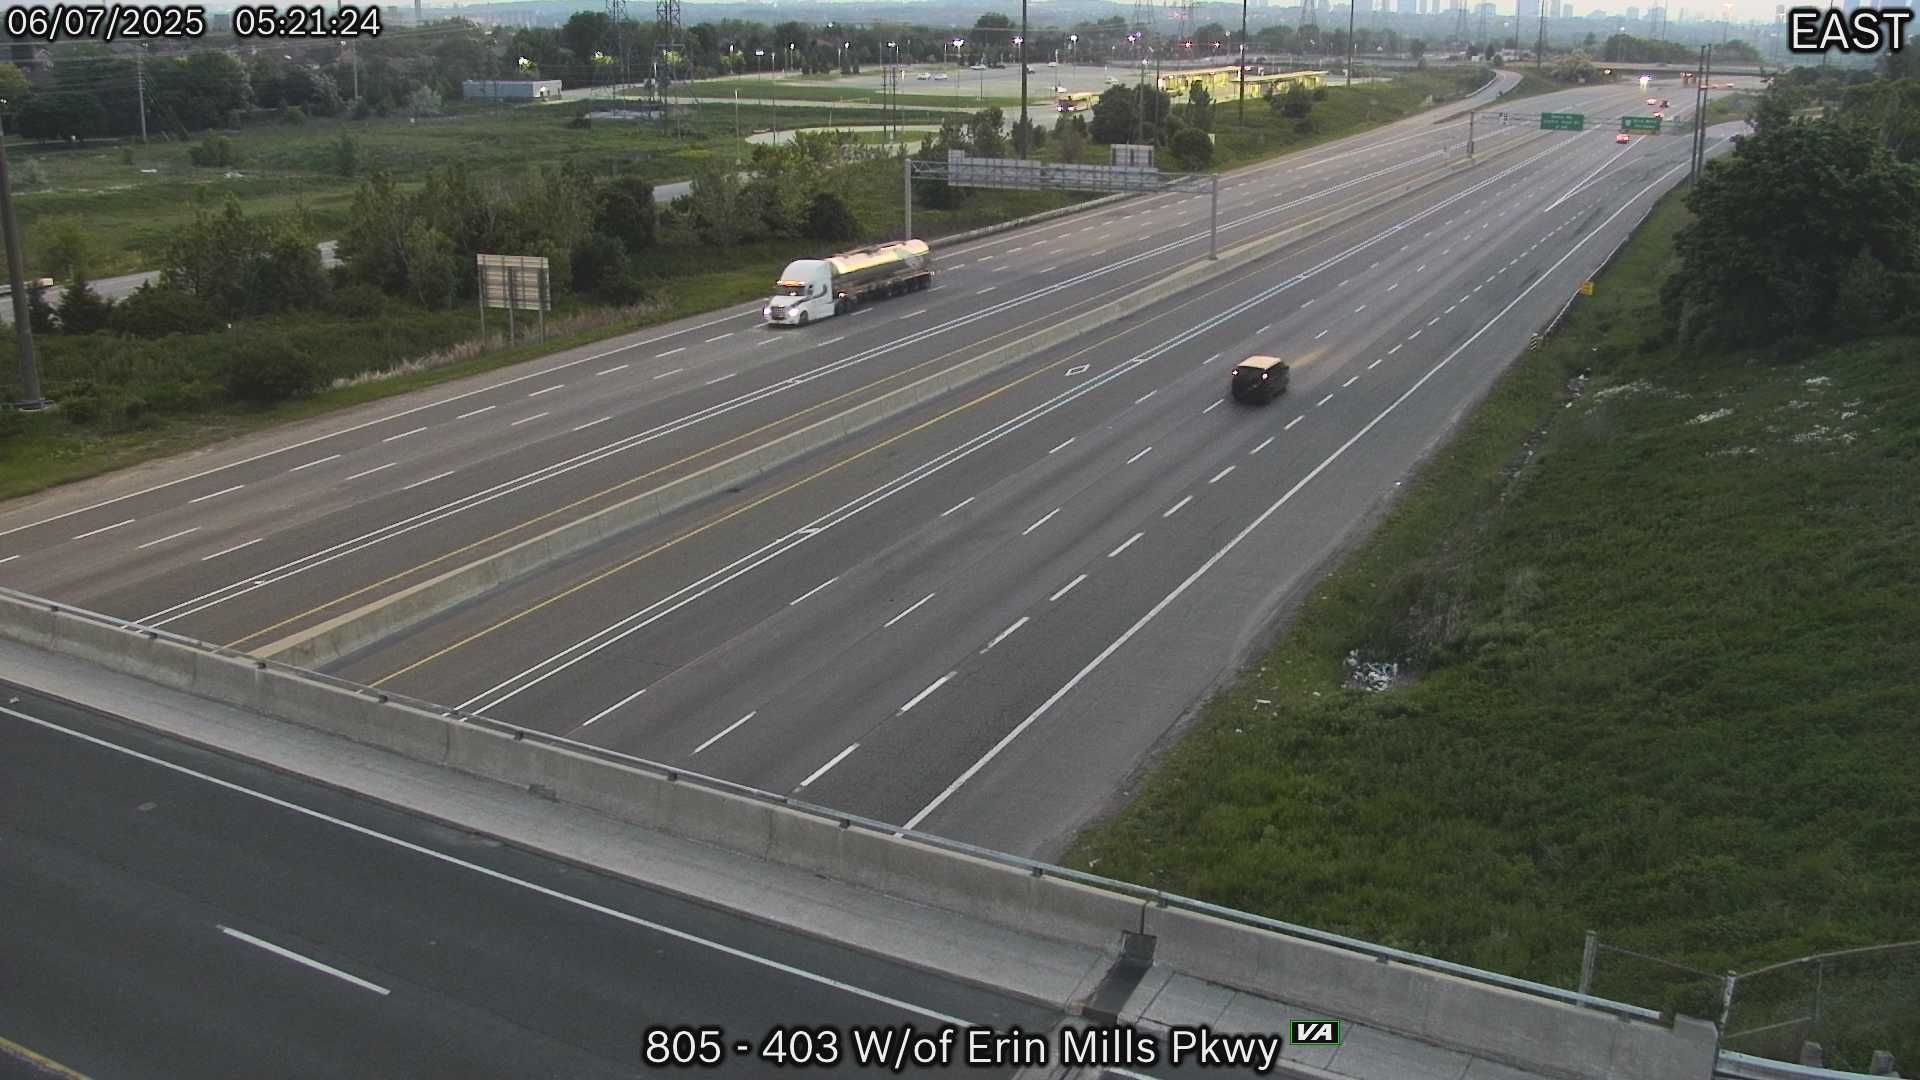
x: 1640, y: 123
x: 1562, y: 121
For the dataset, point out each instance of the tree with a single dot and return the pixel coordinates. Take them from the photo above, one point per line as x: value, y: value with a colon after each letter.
x: 1070, y: 137
x: 244, y: 266
x: 983, y: 133
x: 585, y: 32
x: 938, y: 194
x: 153, y: 311
x: 65, y: 248
x: 81, y: 310
x: 626, y: 212
x: 602, y: 269
x: 200, y: 90
x: 713, y: 205
x: 1116, y: 115
x: 1776, y: 230
x: 1416, y: 48
x: 13, y: 86
x: 1199, y: 108
x: 1576, y: 66
x: 830, y: 219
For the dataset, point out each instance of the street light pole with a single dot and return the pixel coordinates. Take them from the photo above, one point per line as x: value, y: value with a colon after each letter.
x: 1243, y: 59
x: 30, y: 399
x: 1351, y: 5
x: 1020, y: 144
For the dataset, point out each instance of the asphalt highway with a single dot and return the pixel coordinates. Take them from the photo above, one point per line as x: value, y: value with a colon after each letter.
x: 245, y: 544
x: 979, y: 617
x: 975, y: 618
x: 173, y: 913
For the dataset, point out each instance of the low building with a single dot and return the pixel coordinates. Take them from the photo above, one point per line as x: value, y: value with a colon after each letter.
x: 510, y: 89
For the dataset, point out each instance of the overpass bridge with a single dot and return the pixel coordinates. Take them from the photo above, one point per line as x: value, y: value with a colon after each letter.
x: 1096, y: 953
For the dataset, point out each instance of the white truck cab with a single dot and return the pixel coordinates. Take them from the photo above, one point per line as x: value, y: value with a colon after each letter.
x: 803, y: 293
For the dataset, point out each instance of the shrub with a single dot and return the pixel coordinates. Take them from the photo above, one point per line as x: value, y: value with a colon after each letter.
x: 346, y: 155
x: 830, y: 218
x: 81, y: 310
x: 155, y: 311
x: 272, y: 371
x: 357, y: 301
x: 1193, y: 148
x: 602, y: 269
x: 215, y: 151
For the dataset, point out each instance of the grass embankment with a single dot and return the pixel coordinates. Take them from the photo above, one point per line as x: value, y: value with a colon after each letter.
x: 1661, y: 680
x: 1738, y: 105
x: 1534, y: 83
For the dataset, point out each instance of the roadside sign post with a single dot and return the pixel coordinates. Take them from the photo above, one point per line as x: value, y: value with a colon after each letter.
x: 1563, y: 121
x: 514, y: 281
x: 1640, y: 123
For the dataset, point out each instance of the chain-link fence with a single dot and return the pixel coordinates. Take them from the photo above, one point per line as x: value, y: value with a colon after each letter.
x: 1851, y: 1003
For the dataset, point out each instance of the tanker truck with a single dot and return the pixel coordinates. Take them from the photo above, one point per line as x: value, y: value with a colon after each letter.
x: 811, y: 289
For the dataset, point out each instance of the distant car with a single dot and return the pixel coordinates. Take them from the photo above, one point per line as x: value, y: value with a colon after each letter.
x: 939, y: 76
x: 923, y: 76
x: 1111, y: 81
x: 978, y: 67
x: 1053, y: 63
x: 1659, y: 116
x: 1653, y: 101
x: 1622, y: 137
x: 1259, y: 379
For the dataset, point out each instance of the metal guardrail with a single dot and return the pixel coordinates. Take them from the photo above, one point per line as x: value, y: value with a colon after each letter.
x: 844, y: 819
x: 1734, y: 1066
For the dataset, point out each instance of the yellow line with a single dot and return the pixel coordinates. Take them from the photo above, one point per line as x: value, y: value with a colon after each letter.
x: 9, y: 1048
x: 1199, y: 297
x: 1098, y: 298
x: 690, y: 534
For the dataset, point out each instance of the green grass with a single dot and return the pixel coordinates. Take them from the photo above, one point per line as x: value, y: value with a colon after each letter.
x: 130, y: 214
x: 1346, y: 111
x: 1534, y: 83
x: 1735, y: 106
x: 912, y: 92
x: 1661, y: 680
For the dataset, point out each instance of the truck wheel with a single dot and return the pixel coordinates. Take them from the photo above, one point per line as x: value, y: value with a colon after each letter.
x: 803, y: 318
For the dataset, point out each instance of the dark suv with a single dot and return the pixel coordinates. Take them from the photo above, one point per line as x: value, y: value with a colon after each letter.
x: 1259, y: 379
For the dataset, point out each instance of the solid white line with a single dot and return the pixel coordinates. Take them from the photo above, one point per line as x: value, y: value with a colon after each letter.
x: 922, y: 695
x: 620, y: 367
x: 1167, y: 601
x: 1067, y: 588
x: 664, y: 374
x: 813, y: 590
x: 822, y: 770
x: 1376, y: 363
x: 1211, y: 407
x: 722, y: 378
x: 428, y: 480
x: 316, y: 965
x: 1175, y: 508
x: 1217, y: 477
x: 669, y: 352
x: 1263, y: 445
x: 1292, y: 422
x: 916, y: 606
x: 725, y: 730
x: 1125, y: 544
x: 616, y: 705
x: 1145, y: 396
x: 375, y: 469
x: 958, y: 505
x: 233, y: 549
x: 1139, y: 455
x: 322, y: 461
x: 1349, y: 382
x: 217, y: 494
x: 1002, y: 635
x: 547, y: 390
x: 590, y: 423
x: 529, y: 419
x: 1042, y: 521
x: 1061, y: 447
x: 105, y: 528
x: 718, y: 337
x: 164, y: 539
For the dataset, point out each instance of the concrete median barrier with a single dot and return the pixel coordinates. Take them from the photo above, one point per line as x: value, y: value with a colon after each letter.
x: 1536, y: 1033
x: 326, y: 642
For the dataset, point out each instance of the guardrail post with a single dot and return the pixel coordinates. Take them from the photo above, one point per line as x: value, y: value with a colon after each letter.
x: 1586, y: 963
x: 1727, y: 984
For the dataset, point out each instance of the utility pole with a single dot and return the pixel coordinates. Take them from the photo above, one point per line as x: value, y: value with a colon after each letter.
x: 30, y: 399
x: 1540, y: 49
x: 1243, y: 60
x: 1351, y: 5
x: 140, y: 84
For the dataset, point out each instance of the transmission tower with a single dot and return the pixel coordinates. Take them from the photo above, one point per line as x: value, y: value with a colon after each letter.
x: 617, y: 16
x: 1460, y: 29
x: 1143, y: 21
x: 1309, y: 16
x: 666, y: 41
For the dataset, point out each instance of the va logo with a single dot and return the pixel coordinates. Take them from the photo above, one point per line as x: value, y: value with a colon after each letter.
x: 1316, y: 1032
